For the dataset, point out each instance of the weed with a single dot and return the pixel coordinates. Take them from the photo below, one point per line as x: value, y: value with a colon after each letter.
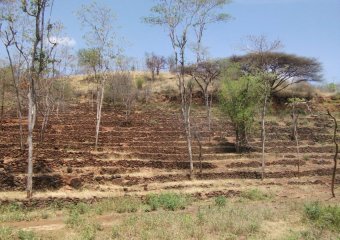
x: 140, y: 82
x: 26, y: 235
x: 220, y: 201
x: 6, y: 233
x: 115, y: 232
x: 255, y: 195
x: 74, y: 219
x: 168, y: 201
x: 324, y: 217
x: 88, y: 232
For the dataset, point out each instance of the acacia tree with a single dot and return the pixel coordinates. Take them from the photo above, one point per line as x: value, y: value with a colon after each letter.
x: 180, y: 17
x: 99, y: 20
x: 277, y: 71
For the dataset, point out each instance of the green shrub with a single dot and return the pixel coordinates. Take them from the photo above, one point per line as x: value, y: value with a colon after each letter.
x: 168, y: 201
x: 323, y: 216
x: 26, y: 235
x: 220, y: 201
x: 140, y: 83
x: 254, y: 195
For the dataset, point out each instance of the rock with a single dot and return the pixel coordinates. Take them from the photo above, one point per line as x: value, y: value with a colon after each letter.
x: 69, y: 170
x: 76, y: 183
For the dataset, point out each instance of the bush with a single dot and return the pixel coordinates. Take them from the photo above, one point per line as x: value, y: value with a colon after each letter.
x: 323, y: 216
x: 220, y: 201
x: 168, y: 201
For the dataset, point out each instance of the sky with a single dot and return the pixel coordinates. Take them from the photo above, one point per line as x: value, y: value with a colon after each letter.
x: 306, y: 27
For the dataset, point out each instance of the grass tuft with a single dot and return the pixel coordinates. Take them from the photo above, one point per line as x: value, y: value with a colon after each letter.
x: 167, y: 201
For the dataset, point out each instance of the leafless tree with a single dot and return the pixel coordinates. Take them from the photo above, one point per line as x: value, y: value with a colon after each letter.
x: 98, y: 20
x: 205, y: 74
x: 154, y: 63
x: 336, y: 151
x: 180, y: 19
x: 37, y: 59
x: 10, y: 20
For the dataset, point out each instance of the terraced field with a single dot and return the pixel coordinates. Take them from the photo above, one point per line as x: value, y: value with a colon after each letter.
x: 149, y: 154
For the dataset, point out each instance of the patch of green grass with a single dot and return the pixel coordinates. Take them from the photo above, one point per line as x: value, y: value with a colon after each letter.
x: 255, y: 195
x: 26, y: 235
x: 324, y: 217
x: 207, y: 222
x: 6, y: 233
x: 220, y: 201
x: 167, y: 201
x: 15, y: 212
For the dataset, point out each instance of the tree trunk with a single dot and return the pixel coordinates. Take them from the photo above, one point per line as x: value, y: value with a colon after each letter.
x: 100, y: 98
x: 296, y: 137
x: 208, y: 102
x: 2, y: 103
x: 188, y: 134
x: 31, y: 122
x: 336, y: 152
x: 263, y: 133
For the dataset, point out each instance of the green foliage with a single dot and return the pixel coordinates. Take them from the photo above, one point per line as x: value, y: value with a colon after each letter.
x: 239, y: 97
x: 220, y: 201
x: 26, y: 235
x: 6, y: 233
x: 140, y: 82
x: 255, y: 195
x: 14, y: 212
x: 90, y: 58
x: 323, y: 216
x: 168, y: 201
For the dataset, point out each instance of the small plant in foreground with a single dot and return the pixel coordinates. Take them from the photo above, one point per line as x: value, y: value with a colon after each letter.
x: 323, y: 216
x: 26, y: 235
x: 168, y: 201
x: 254, y: 195
x: 6, y: 233
x: 220, y: 201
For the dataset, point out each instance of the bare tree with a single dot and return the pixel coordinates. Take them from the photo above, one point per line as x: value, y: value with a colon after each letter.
x: 37, y: 59
x: 10, y: 18
x: 154, y: 63
x: 180, y: 19
x: 98, y: 20
x: 208, y: 13
x: 204, y: 74
x: 336, y: 151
